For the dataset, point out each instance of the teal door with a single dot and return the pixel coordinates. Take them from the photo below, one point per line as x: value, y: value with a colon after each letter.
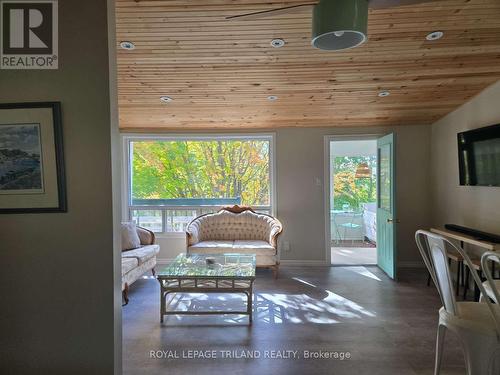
x: 386, y: 207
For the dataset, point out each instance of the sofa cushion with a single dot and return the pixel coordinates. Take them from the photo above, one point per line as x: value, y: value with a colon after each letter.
x: 253, y: 247
x: 129, y: 264
x: 142, y: 254
x: 260, y: 248
x: 217, y: 247
x: 130, y: 238
x: 263, y: 258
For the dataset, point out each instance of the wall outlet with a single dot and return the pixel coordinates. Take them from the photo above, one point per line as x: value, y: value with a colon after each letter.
x: 286, y: 246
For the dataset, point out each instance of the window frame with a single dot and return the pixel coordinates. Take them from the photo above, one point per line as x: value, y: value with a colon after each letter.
x: 128, y: 138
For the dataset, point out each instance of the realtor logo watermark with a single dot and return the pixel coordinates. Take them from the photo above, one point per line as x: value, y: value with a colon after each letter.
x: 29, y: 37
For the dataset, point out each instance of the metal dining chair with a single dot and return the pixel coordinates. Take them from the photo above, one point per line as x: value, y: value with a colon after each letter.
x: 461, y: 269
x: 477, y: 325
x: 491, y: 286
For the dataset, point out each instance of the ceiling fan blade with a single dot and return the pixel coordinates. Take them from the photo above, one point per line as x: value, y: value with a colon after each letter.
x: 381, y: 4
x: 272, y: 12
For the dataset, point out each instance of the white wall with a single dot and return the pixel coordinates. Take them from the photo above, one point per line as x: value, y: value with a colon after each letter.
x: 472, y: 206
x: 301, y: 207
x: 56, y: 281
x: 300, y: 201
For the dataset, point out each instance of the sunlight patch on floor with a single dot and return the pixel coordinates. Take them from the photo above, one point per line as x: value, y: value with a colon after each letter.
x: 318, y: 307
x: 363, y: 271
x: 302, y: 308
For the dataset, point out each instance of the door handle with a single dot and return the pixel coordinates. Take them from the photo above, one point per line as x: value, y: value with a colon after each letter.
x: 392, y: 221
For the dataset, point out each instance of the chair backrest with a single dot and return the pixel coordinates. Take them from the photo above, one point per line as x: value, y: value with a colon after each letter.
x: 485, y: 259
x: 494, y: 257
x: 433, y: 250
x: 432, y: 247
x: 356, y: 217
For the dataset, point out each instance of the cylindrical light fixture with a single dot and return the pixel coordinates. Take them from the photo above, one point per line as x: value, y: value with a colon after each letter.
x: 339, y: 24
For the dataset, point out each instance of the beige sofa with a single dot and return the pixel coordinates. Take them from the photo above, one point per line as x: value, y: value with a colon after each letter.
x: 137, y: 262
x: 237, y: 230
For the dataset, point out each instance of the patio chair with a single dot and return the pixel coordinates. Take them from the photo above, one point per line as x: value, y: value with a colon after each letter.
x: 336, y: 226
x: 352, y: 225
x: 477, y: 325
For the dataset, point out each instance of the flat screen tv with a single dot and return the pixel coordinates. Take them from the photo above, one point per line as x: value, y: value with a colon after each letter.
x: 479, y: 156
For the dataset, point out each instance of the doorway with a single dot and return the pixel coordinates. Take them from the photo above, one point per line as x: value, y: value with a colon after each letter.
x: 353, y: 201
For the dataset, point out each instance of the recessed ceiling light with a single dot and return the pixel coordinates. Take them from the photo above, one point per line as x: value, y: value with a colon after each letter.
x: 272, y: 98
x: 127, y: 45
x: 166, y: 99
x: 277, y: 43
x: 435, y: 35
x: 383, y: 94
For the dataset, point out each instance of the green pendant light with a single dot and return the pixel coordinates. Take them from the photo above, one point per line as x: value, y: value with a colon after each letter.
x: 339, y: 24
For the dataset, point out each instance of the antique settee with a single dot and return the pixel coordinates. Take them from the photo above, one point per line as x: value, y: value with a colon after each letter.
x: 138, y: 255
x: 237, y: 230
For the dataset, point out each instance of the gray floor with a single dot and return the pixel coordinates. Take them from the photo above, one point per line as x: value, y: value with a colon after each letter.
x: 386, y: 327
x: 343, y: 255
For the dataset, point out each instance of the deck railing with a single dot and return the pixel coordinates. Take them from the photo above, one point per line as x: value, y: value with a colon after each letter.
x: 173, y: 215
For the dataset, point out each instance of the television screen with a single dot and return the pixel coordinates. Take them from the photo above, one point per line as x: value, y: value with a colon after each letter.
x: 479, y: 156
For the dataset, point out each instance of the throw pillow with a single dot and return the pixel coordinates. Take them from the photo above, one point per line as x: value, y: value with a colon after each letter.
x: 130, y: 238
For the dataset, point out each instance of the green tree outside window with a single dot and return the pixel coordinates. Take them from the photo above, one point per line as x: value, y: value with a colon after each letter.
x: 202, y: 169
x: 351, y: 190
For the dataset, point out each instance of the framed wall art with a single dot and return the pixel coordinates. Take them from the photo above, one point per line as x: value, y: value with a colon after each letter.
x: 32, y: 177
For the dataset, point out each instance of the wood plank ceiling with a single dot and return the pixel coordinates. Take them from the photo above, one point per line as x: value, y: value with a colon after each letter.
x: 221, y: 72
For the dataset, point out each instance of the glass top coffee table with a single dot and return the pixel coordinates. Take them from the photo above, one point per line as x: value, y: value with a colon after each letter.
x: 207, y: 273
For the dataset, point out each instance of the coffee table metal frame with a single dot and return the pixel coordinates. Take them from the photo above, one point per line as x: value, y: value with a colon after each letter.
x: 205, y: 284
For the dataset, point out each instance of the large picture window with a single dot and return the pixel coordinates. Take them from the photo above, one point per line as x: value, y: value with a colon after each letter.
x: 173, y: 180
